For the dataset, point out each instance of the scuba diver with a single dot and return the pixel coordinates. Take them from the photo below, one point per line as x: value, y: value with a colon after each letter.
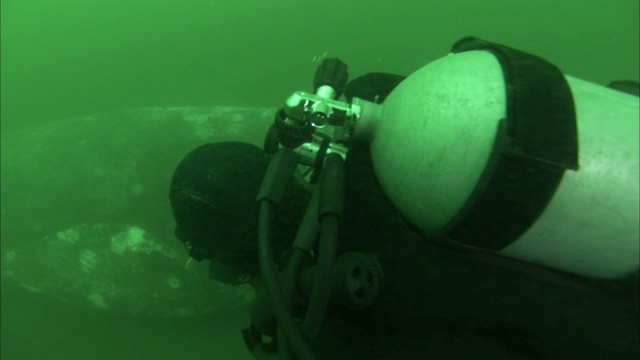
x: 402, y: 235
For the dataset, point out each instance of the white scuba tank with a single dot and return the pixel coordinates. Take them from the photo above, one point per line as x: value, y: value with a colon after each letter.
x: 433, y: 136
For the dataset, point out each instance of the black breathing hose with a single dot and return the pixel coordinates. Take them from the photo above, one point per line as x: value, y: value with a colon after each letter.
x: 329, y: 214
x: 280, y: 170
x: 298, y: 344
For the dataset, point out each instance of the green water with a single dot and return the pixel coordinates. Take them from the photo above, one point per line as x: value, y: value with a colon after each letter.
x: 69, y: 57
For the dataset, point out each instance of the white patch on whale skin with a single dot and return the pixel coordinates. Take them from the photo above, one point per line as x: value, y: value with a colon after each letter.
x: 88, y: 260
x: 97, y: 300
x: 236, y: 124
x: 69, y: 235
x: 173, y: 282
x: 133, y: 239
x: 226, y: 121
x: 200, y: 124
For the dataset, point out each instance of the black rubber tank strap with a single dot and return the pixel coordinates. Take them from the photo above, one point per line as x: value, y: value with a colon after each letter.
x: 534, y: 145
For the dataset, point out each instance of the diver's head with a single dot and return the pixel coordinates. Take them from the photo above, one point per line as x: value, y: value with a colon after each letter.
x: 213, y: 197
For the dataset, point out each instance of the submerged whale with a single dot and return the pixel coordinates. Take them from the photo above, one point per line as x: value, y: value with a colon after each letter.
x: 86, y: 216
x: 121, y: 268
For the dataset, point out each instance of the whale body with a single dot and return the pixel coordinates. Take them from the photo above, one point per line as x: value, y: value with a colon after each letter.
x: 86, y: 217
